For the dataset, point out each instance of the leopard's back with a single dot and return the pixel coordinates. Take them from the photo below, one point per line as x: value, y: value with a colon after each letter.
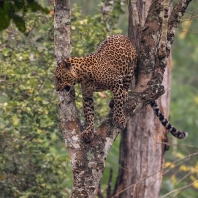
x: 118, y: 52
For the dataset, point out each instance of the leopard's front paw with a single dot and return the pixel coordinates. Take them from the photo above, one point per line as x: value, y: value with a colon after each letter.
x: 120, y: 121
x: 87, y: 135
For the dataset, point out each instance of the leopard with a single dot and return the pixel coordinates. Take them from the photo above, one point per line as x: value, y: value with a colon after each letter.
x: 110, y: 67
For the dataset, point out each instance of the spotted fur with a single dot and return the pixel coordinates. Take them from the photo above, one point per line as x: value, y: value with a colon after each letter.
x: 111, y: 67
x: 166, y: 124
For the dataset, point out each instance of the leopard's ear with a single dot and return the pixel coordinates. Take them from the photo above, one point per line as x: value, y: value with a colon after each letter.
x: 67, y: 63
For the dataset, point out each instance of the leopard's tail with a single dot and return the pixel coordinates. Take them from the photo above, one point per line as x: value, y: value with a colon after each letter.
x: 166, y: 124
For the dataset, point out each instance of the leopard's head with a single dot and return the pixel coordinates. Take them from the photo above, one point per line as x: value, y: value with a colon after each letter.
x: 65, y: 77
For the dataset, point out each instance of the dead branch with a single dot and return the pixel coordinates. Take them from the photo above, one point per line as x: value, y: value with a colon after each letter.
x: 179, y: 189
x: 165, y: 170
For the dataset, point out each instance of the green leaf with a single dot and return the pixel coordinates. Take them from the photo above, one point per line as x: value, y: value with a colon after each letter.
x: 4, y: 19
x: 34, y: 6
x: 9, y: 8
x: 19, y: 22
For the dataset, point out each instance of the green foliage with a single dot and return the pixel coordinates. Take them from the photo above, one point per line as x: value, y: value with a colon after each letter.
x: 33, y: 159
x: 90, y: 30
x: 15, y: 11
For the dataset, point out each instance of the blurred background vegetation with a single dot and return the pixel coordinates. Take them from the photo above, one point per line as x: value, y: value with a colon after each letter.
x: 33, y: 158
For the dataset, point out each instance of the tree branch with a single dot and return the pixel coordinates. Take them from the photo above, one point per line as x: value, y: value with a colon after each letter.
x: 162, y: 45
x: 176, y: 15
x: 179, y: 189
x: 135, y: 11
x: 107, y: 7
x: 164, y: 170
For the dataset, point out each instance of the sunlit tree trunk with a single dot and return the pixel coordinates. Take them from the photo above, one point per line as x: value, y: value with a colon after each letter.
x: 142, y: 145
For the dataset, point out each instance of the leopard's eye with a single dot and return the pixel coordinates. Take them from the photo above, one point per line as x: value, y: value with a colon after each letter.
x: 67, y: 88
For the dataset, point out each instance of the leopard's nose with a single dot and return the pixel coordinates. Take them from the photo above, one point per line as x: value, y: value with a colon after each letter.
x: 67, y: 88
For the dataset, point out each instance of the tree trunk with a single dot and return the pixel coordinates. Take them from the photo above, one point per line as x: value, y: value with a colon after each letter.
x: 142, y: 150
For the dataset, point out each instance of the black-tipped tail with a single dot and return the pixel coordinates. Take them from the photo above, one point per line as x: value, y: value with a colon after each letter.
x: 166, y: 124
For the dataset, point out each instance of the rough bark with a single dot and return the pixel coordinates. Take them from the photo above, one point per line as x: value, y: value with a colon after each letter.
x: 142, y: 149
x: 137, y: 18
x: 88, y: 159
x: 141, y: 153
x: 141, y: 157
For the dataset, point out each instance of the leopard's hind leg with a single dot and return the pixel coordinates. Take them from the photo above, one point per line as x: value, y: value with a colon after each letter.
x: 118, y: 115
x: 126, y: 83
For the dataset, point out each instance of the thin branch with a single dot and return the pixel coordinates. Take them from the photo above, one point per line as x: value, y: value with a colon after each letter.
x: 106, y: 10
x: 184, y: 177
x: 107, y: 7
x: 179, y: 161
x: 168, y: 169
x: 181, y: 145
x: 189, y: 32
x: 186, y: 147
x: 135, y: 183
x: 174, y: 20
x: 163, y: 40
x: 135, y: 12
x: 42, y: 85
x: 179, y: 189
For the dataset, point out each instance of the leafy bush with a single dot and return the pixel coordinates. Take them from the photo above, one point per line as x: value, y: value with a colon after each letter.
x: 33, y: 158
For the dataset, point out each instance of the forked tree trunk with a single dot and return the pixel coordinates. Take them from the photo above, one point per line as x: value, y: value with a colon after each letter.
x: 88, y: 160
x: 142, y: 149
